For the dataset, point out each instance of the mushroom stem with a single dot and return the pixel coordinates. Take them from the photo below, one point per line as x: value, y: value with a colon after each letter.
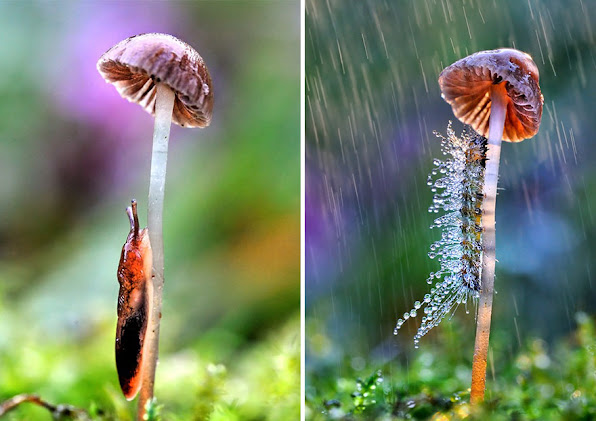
x: 164, y: 104
x: 495, y: 134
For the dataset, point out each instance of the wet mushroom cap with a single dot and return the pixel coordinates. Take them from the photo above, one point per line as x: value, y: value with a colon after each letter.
x: 136, y: 64
x: 466, y: 86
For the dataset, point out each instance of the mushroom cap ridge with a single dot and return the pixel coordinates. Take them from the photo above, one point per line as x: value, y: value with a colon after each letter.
x: 466, y: 84
x: 136, y: 64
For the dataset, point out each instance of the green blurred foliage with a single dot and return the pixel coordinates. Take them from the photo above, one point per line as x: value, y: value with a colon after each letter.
x: 73, y: 154
x: 539, y: 383
x: 260, y: 382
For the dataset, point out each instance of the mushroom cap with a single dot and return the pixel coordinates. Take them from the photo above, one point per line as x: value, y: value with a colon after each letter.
x: 136, y: 64
x: 466, y: 86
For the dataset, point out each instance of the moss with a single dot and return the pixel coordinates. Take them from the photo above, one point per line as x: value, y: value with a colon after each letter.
x: 260, y: 381
x: 540, y: 381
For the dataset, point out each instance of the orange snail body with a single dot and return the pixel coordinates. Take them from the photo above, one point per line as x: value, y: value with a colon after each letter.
x: 134, y: 304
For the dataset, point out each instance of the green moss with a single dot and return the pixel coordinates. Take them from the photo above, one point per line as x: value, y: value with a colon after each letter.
x: 261, y: 380
x: 538, y: 382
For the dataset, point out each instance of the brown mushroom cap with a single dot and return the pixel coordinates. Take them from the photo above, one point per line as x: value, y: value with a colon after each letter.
x: 136, y: 64
x: 466, y: 86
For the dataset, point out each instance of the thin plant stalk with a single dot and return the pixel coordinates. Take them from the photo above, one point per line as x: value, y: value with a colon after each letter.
x: 496, y: 124
x: 164, y: 104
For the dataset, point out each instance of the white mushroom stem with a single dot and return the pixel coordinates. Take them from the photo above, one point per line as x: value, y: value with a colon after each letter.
x: 164, y: 105
x: 491, y: 178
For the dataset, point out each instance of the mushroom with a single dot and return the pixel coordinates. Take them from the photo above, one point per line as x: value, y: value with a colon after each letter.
x: 496, y: 92
x: 169, y: 79
x: 508, y: 79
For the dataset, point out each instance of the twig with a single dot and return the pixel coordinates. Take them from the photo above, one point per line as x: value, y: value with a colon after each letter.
x: 57, y: 411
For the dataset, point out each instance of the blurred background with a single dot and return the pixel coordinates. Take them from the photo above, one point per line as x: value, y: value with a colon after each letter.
x: 72, y: 155
x: 372, y: 104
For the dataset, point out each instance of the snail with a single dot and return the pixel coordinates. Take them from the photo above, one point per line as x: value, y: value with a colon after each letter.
x: 134, y: 302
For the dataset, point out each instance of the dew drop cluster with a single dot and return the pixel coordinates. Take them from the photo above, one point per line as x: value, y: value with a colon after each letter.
x: 457, y: 182
x: 365, y: 394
